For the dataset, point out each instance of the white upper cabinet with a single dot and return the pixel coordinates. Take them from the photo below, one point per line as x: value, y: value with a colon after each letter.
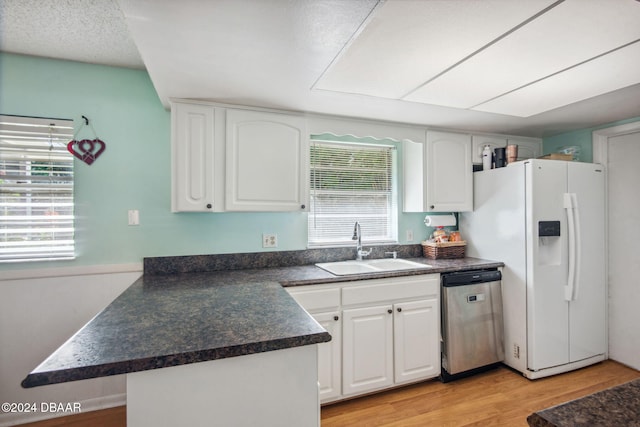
x: 266, y: 162
x: 438, y: 175
x: 192, y: 158
x: 479, y: 141
x: 449, y: 172
x: 236, y: 159
x: 528, y: 148
x: 413, y: 173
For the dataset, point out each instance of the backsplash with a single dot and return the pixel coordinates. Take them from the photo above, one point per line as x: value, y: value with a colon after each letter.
x: 239, y: 261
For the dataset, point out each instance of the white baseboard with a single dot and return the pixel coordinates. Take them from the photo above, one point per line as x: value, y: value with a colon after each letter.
x: 12, y: 419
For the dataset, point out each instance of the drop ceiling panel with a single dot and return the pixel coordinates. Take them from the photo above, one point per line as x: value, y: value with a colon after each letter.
x: 568, y: 34
x: 621, y: 68
x: 406, y: 43
x: 263, y: 52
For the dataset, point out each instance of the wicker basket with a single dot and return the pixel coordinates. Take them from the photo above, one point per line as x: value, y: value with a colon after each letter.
x: 446, y: 250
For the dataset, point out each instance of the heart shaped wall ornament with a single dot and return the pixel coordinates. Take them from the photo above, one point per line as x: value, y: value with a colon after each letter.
x: 87, y: 150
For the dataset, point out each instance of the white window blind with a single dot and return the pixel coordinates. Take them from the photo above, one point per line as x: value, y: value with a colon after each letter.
x: 349, y: 183
x: 36, y: 189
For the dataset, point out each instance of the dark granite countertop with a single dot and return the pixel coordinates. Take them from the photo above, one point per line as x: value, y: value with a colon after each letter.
x: 165, y: 320
x: 614, y: 407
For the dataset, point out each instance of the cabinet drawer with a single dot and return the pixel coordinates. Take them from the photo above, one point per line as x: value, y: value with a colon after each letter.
x: 315, y: 298
x: 396, y: 288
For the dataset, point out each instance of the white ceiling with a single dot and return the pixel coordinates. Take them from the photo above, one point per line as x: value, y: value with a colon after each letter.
x: 392, y: 60
x: 91, y: 31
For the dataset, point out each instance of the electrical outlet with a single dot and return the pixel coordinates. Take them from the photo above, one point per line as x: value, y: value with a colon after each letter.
x: 409, y: 235
x: 269, y: 240
x: 134, y: 217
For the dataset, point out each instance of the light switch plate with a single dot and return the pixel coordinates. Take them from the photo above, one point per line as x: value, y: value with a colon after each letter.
x: 269, y: 240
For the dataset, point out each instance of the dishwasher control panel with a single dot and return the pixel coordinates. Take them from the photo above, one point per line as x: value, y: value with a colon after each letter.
x: 475, y: 298
x: 461, y: 278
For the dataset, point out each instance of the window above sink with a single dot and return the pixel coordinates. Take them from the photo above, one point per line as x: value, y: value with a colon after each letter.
x: 352, y: 179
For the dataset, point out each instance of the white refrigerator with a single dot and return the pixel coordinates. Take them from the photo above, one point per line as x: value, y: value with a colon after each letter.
x: 545, y: 219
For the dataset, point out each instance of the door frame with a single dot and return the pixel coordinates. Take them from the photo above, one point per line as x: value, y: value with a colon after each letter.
x: 601, y: 137
x: 600, y: 145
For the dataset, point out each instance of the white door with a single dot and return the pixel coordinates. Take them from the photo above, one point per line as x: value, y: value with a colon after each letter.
x: 587, y: 309
x: 329, y: 356
x: 624, y: 247
x: 547, y: 256
x: 527, y: 149
x: 367, y: 362
x: 416, y: 328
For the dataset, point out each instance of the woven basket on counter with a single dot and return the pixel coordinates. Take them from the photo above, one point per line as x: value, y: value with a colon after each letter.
x: 445, y: 250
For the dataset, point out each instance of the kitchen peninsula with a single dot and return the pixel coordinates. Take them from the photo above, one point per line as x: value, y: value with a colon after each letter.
x: 192, y: 322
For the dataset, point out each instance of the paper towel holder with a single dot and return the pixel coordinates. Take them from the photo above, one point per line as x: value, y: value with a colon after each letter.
x: 440, y: 220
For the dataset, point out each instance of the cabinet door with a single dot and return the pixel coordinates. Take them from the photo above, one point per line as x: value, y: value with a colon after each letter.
x: 329, y: 356
x: 413, y: 177
x: 449, y: 172
x: 266, y: 162
x: 416, y: 340
x: 192, y: 158
x: 479, y: 141
x: 528, y: 148
x: 367, y: 362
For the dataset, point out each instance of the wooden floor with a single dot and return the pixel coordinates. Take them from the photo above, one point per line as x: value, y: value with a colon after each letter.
x: 500, y: 397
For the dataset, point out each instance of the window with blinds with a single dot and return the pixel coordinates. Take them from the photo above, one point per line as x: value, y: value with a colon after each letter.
x: 351, y: 182
x: 36, y: 189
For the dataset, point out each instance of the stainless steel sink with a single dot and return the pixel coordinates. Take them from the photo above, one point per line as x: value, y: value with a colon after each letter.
x: 344, y: 268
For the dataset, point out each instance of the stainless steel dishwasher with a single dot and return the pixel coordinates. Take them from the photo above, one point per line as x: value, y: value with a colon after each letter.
x: 472, y: 329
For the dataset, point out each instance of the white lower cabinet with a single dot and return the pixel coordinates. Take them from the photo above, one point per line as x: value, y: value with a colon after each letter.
x: 367, y: 349
x: 329, y: 355
x: 323, y: 303
x: 416, y: 326
x: 385, y: 332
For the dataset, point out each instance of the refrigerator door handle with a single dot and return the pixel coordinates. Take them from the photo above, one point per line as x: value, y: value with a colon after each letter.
x: 570, y: 204
x: 578, y: 248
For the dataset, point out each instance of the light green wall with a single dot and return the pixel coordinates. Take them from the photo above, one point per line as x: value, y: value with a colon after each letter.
x: 134, y: 170
x: 581, y: 138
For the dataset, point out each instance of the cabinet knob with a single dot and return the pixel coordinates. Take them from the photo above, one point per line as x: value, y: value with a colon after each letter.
x: 302, y: 206
x: 208, y: 205
x: 389, y: 311
x: 336, y: 318
x: 432, y: 207
x: 399, y: 309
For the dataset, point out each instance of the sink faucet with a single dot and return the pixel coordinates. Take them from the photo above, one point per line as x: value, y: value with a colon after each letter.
x: 357, y: 235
